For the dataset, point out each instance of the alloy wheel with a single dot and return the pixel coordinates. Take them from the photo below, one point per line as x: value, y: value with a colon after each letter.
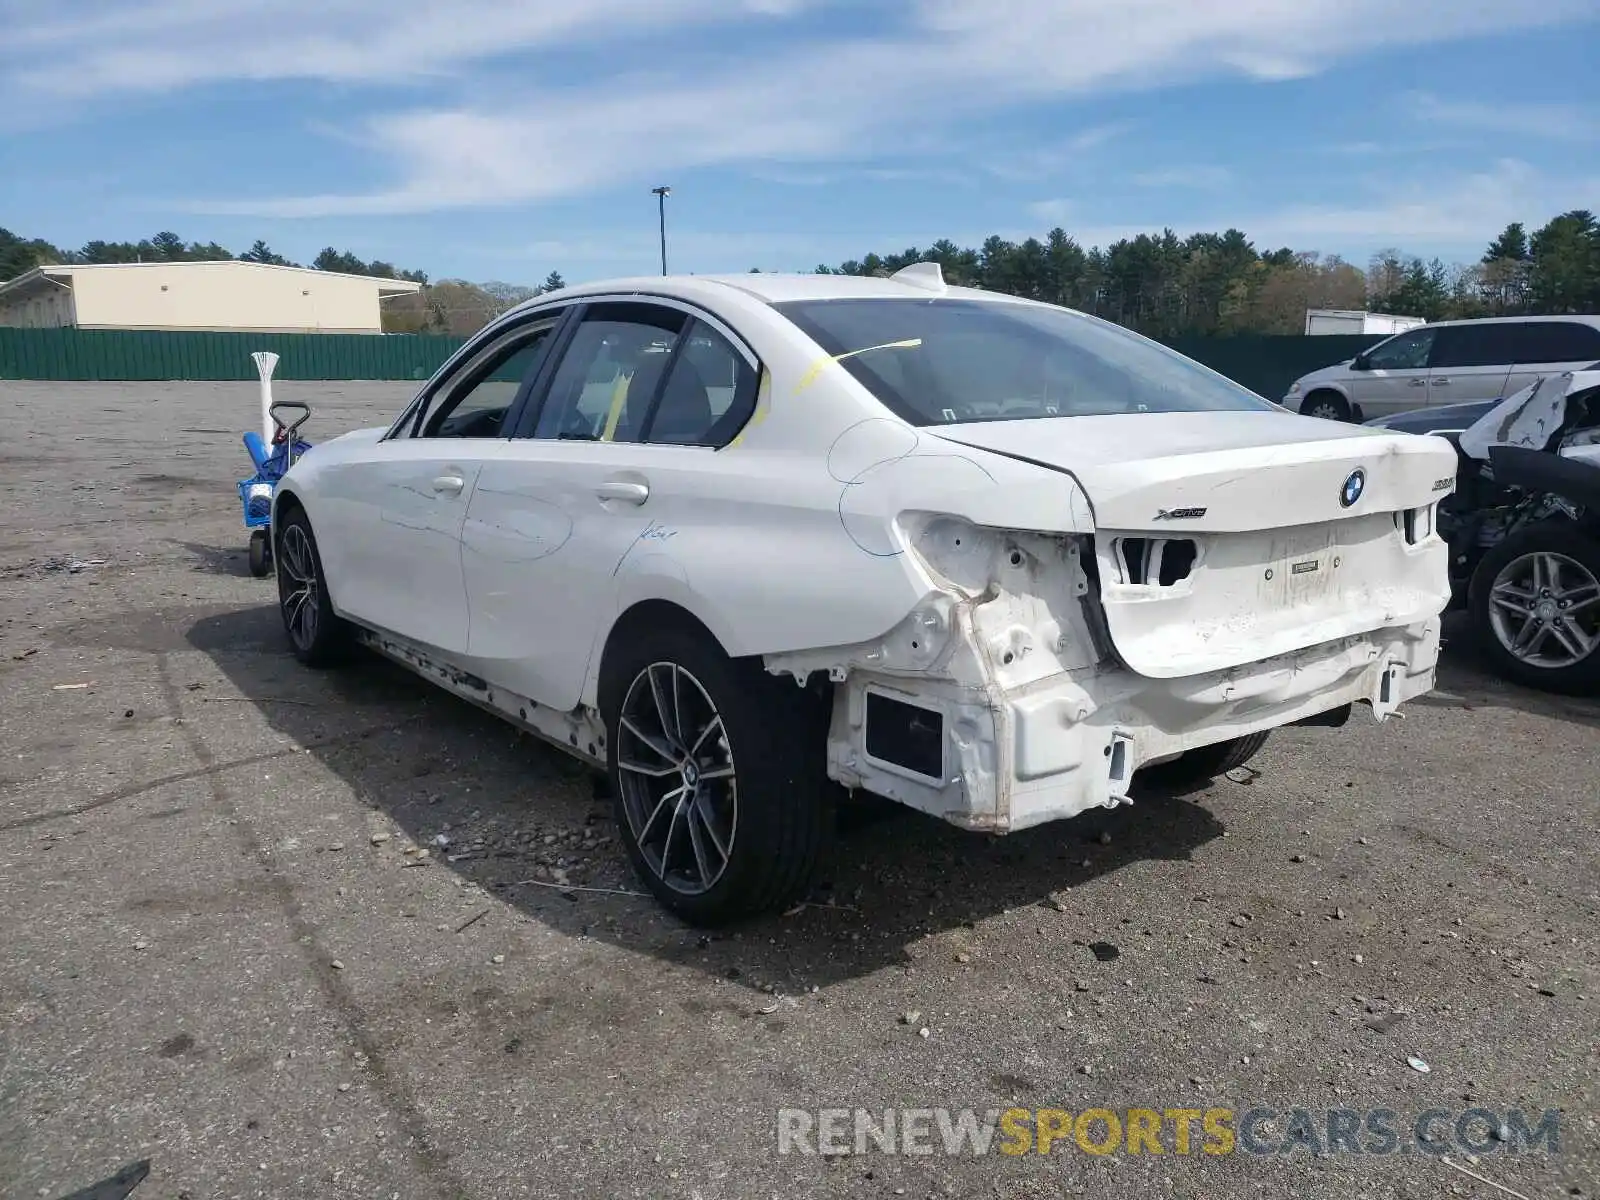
x: 298, y: 588
x: 1545, y: 609
x: 676, y: 778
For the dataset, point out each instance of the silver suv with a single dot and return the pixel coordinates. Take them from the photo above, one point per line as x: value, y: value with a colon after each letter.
x: 1449, y: 362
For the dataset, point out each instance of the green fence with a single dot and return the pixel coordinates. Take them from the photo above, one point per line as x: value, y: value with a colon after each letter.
x: 1264, y: 364
x: 116, y: 354
x: 1270, y: 364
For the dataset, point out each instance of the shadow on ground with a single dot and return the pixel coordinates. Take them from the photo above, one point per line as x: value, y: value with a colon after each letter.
x: 1466, y: 681
x: 220, y: 560
x: 525, y: 822
x: 517, y: 811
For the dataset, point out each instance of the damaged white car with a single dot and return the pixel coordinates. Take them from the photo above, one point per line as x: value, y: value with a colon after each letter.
x: 1523, y: 526
x: 729, y: 539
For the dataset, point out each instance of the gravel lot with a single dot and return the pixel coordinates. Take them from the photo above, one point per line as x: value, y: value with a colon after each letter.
x: 223, y: 953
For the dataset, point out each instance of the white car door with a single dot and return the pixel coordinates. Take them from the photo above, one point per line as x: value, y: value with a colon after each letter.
x: 397, y: 507
x: 618, y: 463
x: 1551, y: 348
x: 1393, y: 375
x: 1470, y: 362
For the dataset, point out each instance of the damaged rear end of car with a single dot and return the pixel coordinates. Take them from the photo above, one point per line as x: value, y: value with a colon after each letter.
x: 1220, y: 574
x: 1523, y: 528
x: 1044, y: 669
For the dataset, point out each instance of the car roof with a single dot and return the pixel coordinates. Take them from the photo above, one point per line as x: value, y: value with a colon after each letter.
x: 772, y: 288
x: 1575, y: 318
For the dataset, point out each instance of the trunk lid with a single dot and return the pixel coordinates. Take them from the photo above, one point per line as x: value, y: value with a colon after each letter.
x: 1224, y: 538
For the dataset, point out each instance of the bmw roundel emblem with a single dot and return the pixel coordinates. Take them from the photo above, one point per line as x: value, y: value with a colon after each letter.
x: 1354, y: 485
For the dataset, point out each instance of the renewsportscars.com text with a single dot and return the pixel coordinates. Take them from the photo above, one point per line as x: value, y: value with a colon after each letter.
x: 1258, y: 1130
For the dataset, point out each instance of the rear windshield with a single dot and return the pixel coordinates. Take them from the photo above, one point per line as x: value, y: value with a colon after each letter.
x: 942, y: 361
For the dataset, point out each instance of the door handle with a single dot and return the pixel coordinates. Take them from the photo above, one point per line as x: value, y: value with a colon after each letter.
x: 1419, y: 383
x: 449, y: 485
x: 626, y: 490
x: 1439, y: 381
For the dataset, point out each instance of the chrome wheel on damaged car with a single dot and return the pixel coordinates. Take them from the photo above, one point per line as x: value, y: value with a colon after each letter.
x: 718, y: 772
x: 1536, y: 604
x: 317, y: 635
x: 298, y: 587
x: 1545, y: 609
x: 678, y: 787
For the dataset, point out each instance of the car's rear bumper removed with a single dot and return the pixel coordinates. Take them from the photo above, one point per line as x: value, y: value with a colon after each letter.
x: 1002, y: 760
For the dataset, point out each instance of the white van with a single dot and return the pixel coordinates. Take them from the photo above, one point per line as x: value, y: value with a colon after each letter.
x: 1448, y: 362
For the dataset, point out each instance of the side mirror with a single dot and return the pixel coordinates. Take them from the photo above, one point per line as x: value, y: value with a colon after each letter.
x: 1359, y: 362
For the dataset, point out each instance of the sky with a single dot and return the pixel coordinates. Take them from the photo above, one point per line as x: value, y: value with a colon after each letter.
x: 504, y: 139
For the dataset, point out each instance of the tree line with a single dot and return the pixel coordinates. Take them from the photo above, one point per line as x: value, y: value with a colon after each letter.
x: 1207, y: 284
x: 1220, y: 284
x: 448, y: 306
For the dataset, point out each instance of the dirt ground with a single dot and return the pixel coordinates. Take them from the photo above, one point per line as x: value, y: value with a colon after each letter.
x: 222, y: 951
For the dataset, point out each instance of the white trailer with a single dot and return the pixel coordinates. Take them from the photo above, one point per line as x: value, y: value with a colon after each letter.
x: 1356, y: 321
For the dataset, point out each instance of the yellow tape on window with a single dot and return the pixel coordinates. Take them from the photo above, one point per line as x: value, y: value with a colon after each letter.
x: 764, y: 391
x: 821, y: 364
x: 619, y: 397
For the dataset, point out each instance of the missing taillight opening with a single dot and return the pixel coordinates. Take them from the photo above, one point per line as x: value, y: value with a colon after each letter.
x: 1161, y: 562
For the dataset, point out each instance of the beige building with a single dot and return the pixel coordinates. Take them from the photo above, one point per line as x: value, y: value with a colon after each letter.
x: 229, y: 295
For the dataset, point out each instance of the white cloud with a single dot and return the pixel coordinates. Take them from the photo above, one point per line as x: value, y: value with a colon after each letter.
x: 98, y: 47
x: 1056, y: 158
x: 829, y: 177
x: 1555, y: 122
x: 804, y: 100
x: 1451, y: 215
x: 1200, y: 176
x: 1052, y: 212
x: 1424, y: 214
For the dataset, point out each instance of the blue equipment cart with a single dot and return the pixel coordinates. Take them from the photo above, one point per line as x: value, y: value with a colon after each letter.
x: 255, y: 493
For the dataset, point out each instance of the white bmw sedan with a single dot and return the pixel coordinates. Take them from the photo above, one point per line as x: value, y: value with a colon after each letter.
x: 740, y: 541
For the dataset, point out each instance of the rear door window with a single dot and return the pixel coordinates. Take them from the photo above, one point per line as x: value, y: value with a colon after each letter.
x: 1493, y: 345
x: 1558, y: 342
x: 710, y: 392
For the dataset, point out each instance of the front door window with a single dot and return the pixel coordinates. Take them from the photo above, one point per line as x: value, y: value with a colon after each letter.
x: 1405, y: 352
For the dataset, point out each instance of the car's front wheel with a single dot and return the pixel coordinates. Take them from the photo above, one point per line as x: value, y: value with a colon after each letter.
x: 718, y: 774
x: 1535, y: 605
x: 317, y: 635
x: 1329, y: 405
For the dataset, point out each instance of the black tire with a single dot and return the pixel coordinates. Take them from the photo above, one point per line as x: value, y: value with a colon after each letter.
x: 769, y: 734
x: 317, y: 635
x: 1579, y: 554
x: 1328, y: 405
x: 1205, y: 763
x: 260, y: 554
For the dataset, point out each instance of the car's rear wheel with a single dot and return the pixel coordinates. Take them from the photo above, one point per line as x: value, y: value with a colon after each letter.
x: 718, y: 775
x: 1329, y: 405
x: 317, y: 635
x: 1535, y: 605
x: 1205, y: 763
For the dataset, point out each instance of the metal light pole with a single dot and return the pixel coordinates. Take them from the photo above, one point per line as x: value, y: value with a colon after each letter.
x: 661, y: 194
